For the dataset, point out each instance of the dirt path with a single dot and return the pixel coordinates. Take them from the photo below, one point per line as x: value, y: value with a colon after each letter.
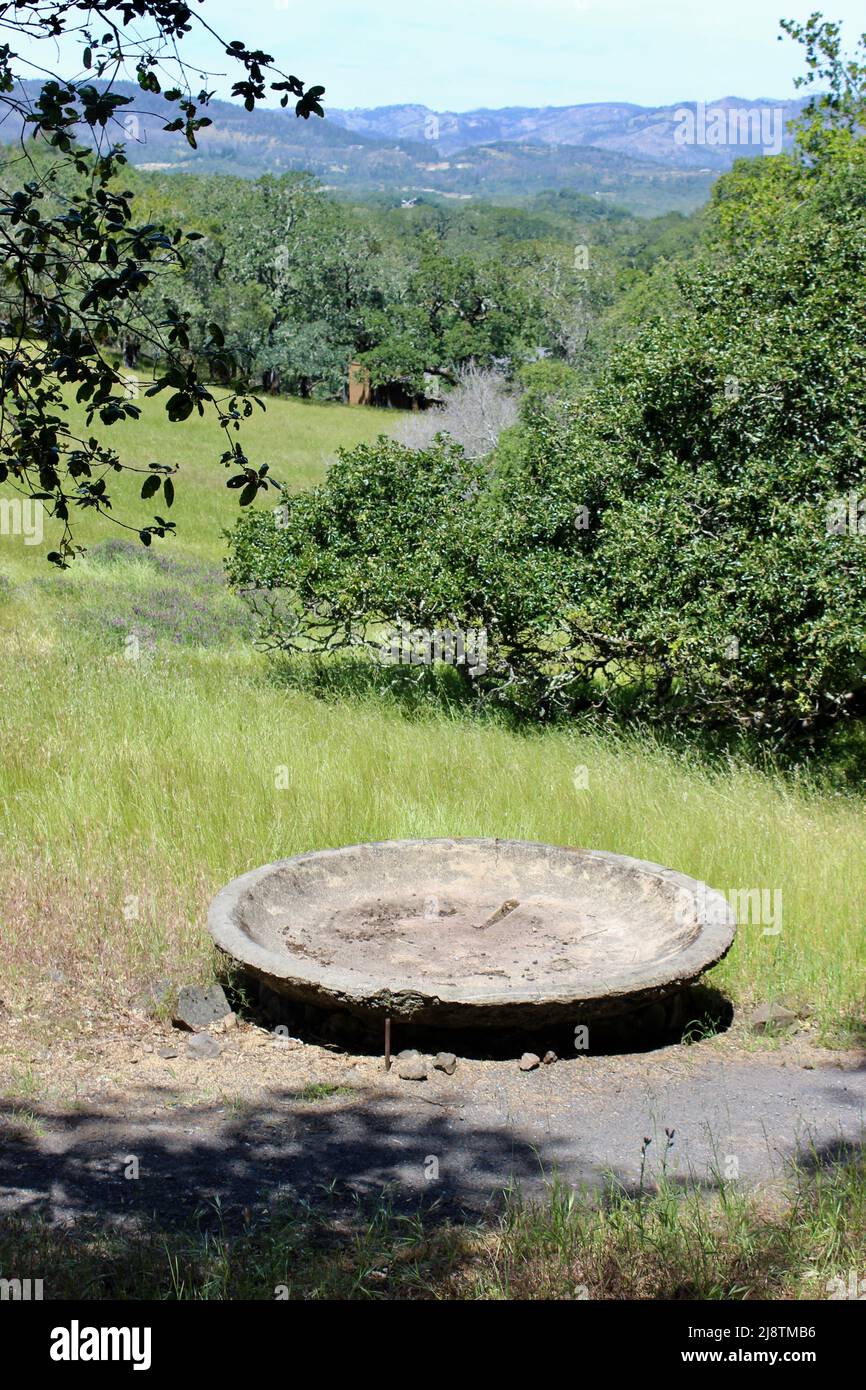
x: 263, y: 1119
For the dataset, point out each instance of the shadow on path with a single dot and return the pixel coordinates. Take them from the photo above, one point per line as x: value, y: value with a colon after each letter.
x: 64, y: 1164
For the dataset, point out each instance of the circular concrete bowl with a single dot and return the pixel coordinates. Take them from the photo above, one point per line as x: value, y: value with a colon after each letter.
x: 461, y: 933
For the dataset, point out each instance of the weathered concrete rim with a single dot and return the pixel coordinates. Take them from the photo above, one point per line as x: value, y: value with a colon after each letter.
x: 327, y: 986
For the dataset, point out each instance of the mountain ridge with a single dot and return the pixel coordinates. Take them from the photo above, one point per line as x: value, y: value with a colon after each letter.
x: 617, y: 152
x: 625, y: 127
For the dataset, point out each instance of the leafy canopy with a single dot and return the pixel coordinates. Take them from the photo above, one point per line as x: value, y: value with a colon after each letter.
x: 680, y: 540
x: 77, y: 264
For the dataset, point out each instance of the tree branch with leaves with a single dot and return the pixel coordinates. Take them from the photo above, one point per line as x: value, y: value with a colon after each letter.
x: 77, y: 264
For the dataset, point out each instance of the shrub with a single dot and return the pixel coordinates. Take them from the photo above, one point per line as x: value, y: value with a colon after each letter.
x: 687, y: 538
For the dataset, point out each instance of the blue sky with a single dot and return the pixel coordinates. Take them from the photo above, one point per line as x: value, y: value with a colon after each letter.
x: 461, y: 54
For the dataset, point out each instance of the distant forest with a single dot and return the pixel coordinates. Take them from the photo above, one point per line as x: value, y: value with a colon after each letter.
x: 302, y: 283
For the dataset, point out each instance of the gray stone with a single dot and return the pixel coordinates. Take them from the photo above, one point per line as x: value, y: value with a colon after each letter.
x: 549, y: 1057
x: 506, y: 910
x: 445, y: 1061
x: 529, y: 1061
x: 803, y: 1011
x: 154, y: 996
x: 203, y: 1047
x: 198, y: 1008
x: 166, y: 1053
x: 340, y: 1027
x: 412, y: 1068
x: 771, y: 1017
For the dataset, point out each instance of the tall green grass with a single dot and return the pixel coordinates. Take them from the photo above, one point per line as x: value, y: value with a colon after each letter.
x: 296, y: 438
x: 131, y: 790
x: 157, y: 779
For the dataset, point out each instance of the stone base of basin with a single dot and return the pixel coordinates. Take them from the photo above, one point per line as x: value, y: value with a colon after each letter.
x: 466, y: 933
x: 693, y: 1012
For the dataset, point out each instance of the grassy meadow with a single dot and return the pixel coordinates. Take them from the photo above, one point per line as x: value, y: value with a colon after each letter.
x: 296, y: 438
x: 132, y: 789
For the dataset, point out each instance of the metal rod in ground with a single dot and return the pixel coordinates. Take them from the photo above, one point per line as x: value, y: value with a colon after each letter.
x: 387, y: 1042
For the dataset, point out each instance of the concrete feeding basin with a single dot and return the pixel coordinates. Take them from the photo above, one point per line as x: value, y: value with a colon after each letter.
x: 471, y: 932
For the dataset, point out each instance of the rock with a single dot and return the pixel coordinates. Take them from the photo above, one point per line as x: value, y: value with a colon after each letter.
x: 803, y: 1011
x: 543, y: 991
x: 771, y: 1016
x: 153, y: 996
x: 230, y: 1023
x: 529, y: 1061
x: 271, y: 1006
x: 203, y: 1047
x: 340, y: 1027
x: 167, y: 1053
x: 549, y: 1057
x: 411, y: 1067
x: 198, y: 1008
x: 654, y: 1019
x: 445, y: 1061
